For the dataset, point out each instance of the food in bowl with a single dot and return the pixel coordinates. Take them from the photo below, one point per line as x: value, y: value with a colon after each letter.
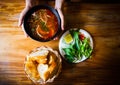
x: 76, y: 45
x: 42, y: 23
x: 43, y: 65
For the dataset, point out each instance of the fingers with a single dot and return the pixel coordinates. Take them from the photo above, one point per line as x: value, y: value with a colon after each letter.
x: 20, y: 21
x: 24, y: 31
x: 21, y: 18
x: 56, y: 38
x: 25, y: 10
x: 62, y: 18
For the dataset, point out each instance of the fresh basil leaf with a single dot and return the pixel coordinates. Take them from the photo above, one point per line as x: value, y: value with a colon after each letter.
x: 67, y: 51
x: 69, y: 58
x: 78, y: 49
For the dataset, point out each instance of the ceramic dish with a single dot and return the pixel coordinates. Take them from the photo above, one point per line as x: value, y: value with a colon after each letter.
x: 65, y: 46
x: 42, y: 23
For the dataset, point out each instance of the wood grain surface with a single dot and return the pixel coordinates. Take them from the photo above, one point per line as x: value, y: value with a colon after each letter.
x: 101, y: 20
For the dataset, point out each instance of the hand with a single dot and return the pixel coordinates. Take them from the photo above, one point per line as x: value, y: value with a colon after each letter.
x: 58, y: 6
x: 61, y: 17
x: 25, y: 10
x: 21, y: 18
x: 62, y: 20
x: 29, y: 4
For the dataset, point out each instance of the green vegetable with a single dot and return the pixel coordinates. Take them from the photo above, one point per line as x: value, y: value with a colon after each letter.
x: 43, y: 26
x: 75, y: 34
x: 69, y: 58
x: 37, y: 20
x: 33, y: 29
x: 78, y: 49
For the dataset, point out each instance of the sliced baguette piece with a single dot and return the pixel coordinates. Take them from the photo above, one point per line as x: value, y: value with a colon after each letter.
x: 39, y: 53
x: 43, y: 71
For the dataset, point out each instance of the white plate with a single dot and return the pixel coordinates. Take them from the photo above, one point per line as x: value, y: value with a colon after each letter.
x: 62, y: 44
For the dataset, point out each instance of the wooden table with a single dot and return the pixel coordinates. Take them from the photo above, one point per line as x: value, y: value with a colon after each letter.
x: 101, y: 20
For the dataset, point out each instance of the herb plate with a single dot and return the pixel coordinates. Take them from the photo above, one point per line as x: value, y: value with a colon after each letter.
x: 77, y: 48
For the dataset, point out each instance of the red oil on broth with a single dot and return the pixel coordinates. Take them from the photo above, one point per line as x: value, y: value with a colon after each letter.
x: 43, y: 24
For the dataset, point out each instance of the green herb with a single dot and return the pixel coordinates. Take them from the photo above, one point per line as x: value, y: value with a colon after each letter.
x: 43, y: 26
x: 78, y: 49
x: 33, y: 29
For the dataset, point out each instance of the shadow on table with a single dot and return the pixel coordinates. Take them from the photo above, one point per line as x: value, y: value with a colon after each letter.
x: 95, y: 1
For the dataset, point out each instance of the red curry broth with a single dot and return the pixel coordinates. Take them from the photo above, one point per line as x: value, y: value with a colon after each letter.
x: 43, y: 24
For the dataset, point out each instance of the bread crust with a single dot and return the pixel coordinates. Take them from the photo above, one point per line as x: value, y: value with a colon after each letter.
x: 46, y: 57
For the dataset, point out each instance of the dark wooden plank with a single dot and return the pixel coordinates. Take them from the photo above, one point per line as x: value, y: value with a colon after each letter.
x: 101, y: 20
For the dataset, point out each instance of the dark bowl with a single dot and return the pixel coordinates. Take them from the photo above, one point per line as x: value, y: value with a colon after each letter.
x: 30, y: 29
